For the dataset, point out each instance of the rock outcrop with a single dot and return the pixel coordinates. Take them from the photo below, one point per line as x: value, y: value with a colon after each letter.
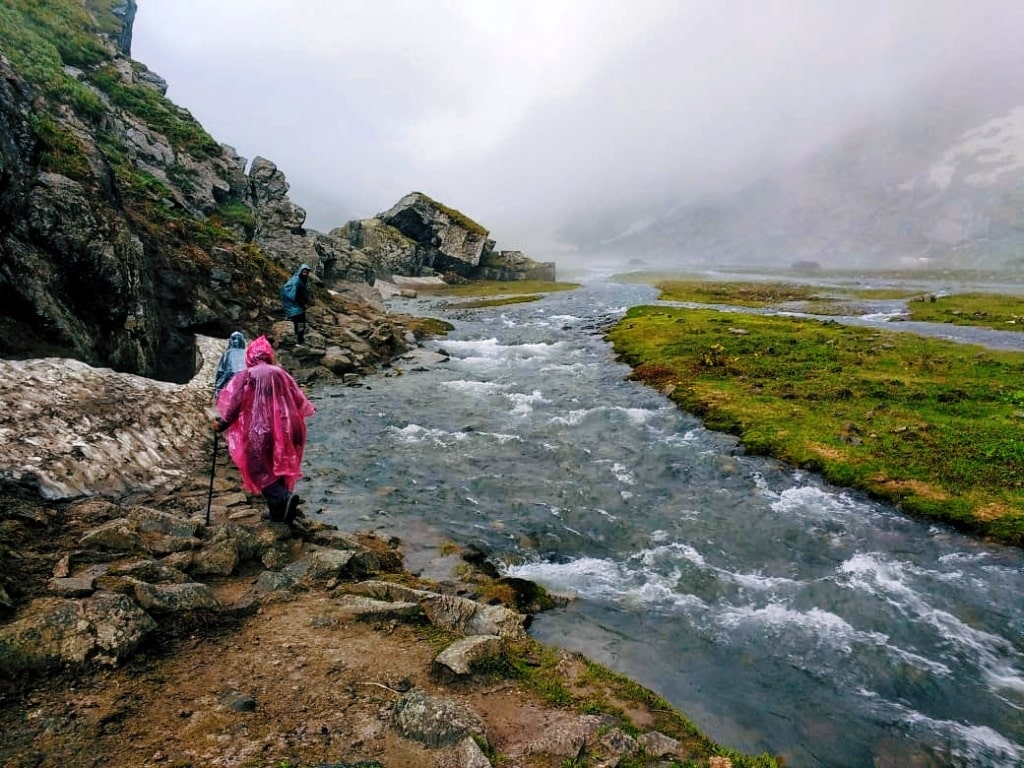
x: 419, y: 236
x: 126, y: 228
x: 447, y: 240
x: 513, y: 265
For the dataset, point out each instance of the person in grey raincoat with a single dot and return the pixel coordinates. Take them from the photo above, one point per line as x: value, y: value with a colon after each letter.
x: 231, y: 362
x: 295, y: 298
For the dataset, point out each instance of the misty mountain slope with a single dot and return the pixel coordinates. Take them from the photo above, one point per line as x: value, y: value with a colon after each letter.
x: 940, y: 184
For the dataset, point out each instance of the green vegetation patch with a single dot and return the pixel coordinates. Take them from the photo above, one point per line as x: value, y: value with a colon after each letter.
x: 571, y: 681
x: 495, y: 288
x: 882, y: 293
x: 931, y: 426
x: 235, y: 213
x: 481, y: 303
x: 41, y: 37
x: 458, y: 217
x: 1005, y: 313
x: 739, y: 294
x: 645, y: 277
x: 158, y: 112
x: 426, y: 327
x: 60, y: 150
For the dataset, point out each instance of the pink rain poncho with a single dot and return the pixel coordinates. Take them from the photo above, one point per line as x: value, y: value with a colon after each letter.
x: 266, y: 412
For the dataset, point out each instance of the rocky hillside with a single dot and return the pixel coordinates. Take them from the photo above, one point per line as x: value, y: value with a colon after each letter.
x: 939, y: 183
x: 126, y: 228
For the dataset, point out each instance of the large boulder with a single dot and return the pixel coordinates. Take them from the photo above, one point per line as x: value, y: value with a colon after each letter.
x: 449, y: 240
x: 51, y: 632
x: 340, y: 261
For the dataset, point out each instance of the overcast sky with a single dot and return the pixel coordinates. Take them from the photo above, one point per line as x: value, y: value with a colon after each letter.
x: 518, y: 112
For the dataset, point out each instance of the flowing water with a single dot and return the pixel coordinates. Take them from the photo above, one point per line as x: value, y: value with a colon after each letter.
x: 777, y: 612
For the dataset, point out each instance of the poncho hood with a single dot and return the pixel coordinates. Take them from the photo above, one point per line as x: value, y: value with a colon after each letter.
x: 259, y: 351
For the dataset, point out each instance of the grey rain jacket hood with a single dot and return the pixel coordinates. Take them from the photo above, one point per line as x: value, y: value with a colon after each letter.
x: 231, y: 362
x: 295, y: 293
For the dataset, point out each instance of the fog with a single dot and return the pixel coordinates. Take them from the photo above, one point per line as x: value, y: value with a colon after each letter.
x: 526, y: 115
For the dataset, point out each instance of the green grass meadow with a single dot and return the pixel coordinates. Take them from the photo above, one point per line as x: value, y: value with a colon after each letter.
x: 934, y: 427
x: 479, y: 294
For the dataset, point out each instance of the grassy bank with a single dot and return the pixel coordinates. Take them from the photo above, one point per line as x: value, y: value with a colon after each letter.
x: 930, y: 426
x: 990, y: 310
x: 494, y: 293
x: 750, y: 294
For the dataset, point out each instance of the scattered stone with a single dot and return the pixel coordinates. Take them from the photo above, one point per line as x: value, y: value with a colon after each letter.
x: 239, y: 702
x: 459, y: 657
x: 435, y: 721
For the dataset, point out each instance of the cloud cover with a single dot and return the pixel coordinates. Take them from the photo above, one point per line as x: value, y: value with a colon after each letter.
x: 521, y: 114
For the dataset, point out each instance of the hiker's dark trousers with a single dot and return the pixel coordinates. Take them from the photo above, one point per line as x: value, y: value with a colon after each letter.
x: 299, y: 324
x: 276, y: 495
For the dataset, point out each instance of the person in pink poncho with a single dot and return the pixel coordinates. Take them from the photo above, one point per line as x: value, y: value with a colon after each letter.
x: 263, y: 412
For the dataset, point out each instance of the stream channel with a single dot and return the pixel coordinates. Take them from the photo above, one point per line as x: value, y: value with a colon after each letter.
x: 779, y: 613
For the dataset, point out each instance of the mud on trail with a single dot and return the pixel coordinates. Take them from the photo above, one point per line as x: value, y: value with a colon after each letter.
x: 294, y: 685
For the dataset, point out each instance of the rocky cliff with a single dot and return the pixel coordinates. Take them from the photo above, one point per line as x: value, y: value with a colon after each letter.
x: 126, y: 229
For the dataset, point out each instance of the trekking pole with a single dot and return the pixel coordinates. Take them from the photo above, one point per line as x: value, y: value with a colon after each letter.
x: 213, y: 469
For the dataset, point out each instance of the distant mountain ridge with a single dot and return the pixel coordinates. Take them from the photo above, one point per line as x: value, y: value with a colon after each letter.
x: 941, y: 186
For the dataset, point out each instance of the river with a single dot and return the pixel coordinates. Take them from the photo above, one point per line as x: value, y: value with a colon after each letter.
x: 779, y: 613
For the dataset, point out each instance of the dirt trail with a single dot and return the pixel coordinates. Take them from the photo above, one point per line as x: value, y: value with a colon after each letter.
x: 298, y: 683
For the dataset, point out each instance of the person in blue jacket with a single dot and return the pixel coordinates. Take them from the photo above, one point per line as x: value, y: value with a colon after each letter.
x: 295, y: 299
x: 231, y: 362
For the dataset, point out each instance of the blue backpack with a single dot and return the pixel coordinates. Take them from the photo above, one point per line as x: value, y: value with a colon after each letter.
x: 288, y: 289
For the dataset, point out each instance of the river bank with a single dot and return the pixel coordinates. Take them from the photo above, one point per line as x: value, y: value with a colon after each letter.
x: 928, y: 425
x: 781, y: 613
x: 268, y: 651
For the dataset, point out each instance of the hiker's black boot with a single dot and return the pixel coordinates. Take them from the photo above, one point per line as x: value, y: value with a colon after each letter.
x: 275, y: 511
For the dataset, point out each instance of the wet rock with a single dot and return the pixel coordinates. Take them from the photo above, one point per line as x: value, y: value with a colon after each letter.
x: 322, y: 566
x: 466, y: 755
x: 50, y: 631
x: 563, y: 736
x: 658, y: 744
x: 459, y: 657
x: 239, y: 702
x: 274, y: 581
x: 219, y: 558
x: 368, y: 608
x: 620, y: 743
x: 153, y: 571
x: 121, y: 535
x: 82, y: 586
x: 435, y: 721
x: 457, y: 614
x: 174, y: 598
